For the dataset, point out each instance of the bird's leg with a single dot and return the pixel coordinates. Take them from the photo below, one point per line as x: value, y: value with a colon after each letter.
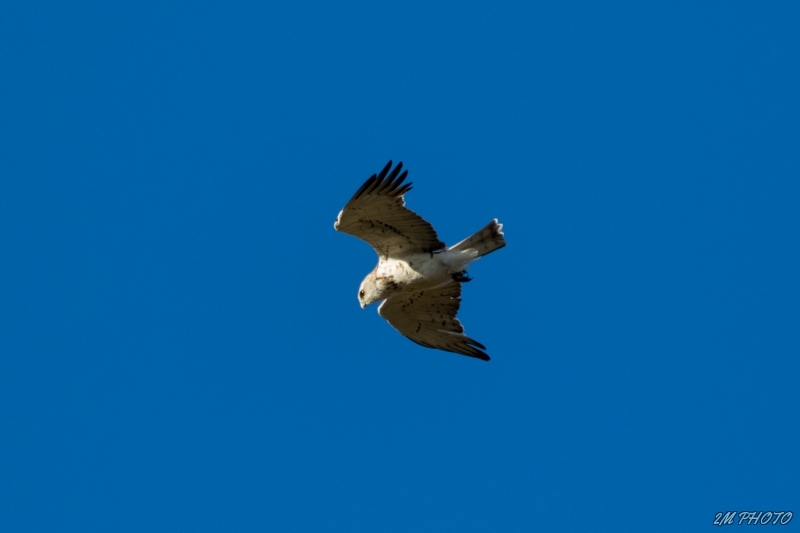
x: 461, y: 277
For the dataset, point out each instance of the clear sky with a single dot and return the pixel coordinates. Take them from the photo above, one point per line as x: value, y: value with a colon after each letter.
x: 182, y: 347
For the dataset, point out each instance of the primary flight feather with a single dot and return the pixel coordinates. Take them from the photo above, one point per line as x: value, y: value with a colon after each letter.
x: 417, y: 277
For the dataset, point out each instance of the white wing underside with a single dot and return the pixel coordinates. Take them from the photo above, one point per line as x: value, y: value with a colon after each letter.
x: 429, y: 318
x: 377, y: 215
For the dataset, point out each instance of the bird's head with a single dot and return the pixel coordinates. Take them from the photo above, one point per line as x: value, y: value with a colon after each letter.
x: 369, y: 292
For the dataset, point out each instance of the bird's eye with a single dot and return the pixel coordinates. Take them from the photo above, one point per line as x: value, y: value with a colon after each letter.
x: 361, y: 294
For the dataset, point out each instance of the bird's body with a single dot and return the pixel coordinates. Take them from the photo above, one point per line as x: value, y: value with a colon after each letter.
x: 417, y: 277
x: 416, y: 272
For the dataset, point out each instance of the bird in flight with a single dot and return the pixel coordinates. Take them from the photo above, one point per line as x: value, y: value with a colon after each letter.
x: 418, y: 277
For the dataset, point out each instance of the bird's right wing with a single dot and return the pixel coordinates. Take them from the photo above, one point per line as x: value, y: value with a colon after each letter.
x: 429, y: 318
x: 378, y: 214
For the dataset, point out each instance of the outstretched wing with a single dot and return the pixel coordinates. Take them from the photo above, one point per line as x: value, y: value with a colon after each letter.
x: 377, y: 214
x: 429, y: 318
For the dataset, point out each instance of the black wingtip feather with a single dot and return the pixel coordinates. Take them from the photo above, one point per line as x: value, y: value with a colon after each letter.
x: 385, y: 183
x: 390, y: 183
x: 365, y: 186
x: 404, y: 189
x: 475, y: 352
x: 472, y: 351
x: 476, y: 344
x: 467, y: 349
x: 385, y: 170
x: 396, y: 171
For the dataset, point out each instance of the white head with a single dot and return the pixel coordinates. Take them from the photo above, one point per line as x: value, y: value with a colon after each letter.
x: 370, y: 291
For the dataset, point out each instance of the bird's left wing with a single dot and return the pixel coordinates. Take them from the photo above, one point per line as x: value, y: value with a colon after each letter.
x: 429, y: 318
x: 377, y: 214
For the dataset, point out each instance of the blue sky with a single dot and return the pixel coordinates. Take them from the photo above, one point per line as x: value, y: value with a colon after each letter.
x: 182, y: 348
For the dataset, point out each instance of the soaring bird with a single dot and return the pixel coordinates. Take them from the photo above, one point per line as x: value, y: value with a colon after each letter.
x: 418, y: 277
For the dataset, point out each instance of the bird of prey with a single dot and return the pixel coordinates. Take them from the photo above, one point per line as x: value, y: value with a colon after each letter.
x: 417, y: 277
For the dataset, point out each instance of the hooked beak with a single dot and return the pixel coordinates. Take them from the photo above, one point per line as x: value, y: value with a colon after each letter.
x: 362, y: 305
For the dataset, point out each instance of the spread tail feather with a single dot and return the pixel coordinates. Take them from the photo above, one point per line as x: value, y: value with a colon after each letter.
x: 484, y: 242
